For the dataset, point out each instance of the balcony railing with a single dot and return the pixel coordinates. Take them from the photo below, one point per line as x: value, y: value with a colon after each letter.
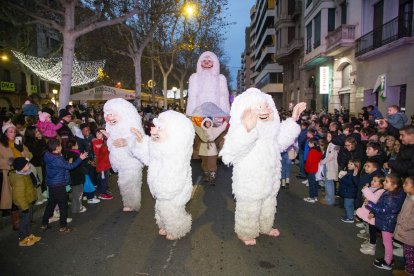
x: 392, y: 30
x: 295, y: 44
x: 344, y: 33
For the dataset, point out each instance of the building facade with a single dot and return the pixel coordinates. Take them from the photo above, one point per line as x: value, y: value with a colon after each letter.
x: 385, y: 54
x: 266, y: 73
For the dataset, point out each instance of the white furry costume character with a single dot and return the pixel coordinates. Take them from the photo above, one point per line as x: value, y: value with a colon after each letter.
x: 167, y: 154
x: 207, y: 85
x: 255, y: 155
x: 120, y: 115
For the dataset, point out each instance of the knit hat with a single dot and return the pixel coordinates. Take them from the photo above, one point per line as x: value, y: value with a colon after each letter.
x: 19, y: 163
x: 43, y: 116
x: 7, y: 126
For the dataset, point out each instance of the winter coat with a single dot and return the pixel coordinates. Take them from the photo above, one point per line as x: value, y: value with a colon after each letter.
x: 380, y: 158
x: 376, y: 113
x: 77, y: 175
x: 372, y: 195
x: 312, y: 162
x: 365, y: 179
x: 330, y: 162
x: 404, y: 231
x: 65, y: 133
x: 38, y: 149
x: 48, y: 129
x: 397, y: 120
x: 348, y: 185
x: 57, y: 169
x: 302, y: 139
x: 404, y: 164
x: 30, y: 109
x: 386, y: 210
x: 6, y: 154
x: 343, y: 153
x: 357, y: 154
x: 207, y: 137
x: 24, y: 193
x: 100, y: 149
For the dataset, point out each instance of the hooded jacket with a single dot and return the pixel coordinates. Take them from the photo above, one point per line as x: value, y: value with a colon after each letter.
x: 57, y: 169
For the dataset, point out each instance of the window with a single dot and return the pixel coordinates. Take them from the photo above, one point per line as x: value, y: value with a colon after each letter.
x: 343, y: 13
x: 308, y: 2
x: 331, y: 20
x: 309, y: 38
x: 317, y: 38
x: 291, y: 34
x: 346, y: 75
x: 6, y: 76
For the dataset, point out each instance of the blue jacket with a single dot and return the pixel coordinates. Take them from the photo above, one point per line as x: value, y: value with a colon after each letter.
x: 386, y: 210
x: 376, y: 113
x: 348, y: 185
x: 57, y: 169
x: 302, y: 139
x: 397, y: 120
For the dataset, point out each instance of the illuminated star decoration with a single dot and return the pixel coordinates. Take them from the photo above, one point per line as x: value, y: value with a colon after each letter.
x: 50, y: 69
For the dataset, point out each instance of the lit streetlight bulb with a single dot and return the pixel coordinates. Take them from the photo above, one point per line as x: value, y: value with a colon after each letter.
x: 4, y: 57
x: 189, y: 10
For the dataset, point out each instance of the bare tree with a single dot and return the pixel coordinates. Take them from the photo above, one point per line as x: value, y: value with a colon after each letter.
x: 74, y: 18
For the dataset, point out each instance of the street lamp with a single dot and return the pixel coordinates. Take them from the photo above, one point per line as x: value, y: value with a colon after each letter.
x: 4, y: 57
x: 189, y: 9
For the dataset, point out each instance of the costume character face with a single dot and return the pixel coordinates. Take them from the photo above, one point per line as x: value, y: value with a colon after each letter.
x: 263, y: 111
x: 207, y: 62
x: 158, y: 131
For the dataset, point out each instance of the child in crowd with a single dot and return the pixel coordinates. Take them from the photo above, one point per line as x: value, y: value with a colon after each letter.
x: 311, y: 167
x: 385, y: 212
x: 77, y: 176
x: 348, y: 185
x: 24, y: 194
x: 331, y: 170
x: 46, y: 127
x: 371, y: 193
x: 287, y: 157
x: 371, y: 169
x: 57, y: 177
x: 404, y: 231
x: 100, y: 149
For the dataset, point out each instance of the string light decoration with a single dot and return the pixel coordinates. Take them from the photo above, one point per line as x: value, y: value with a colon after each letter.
x: 50, y: 69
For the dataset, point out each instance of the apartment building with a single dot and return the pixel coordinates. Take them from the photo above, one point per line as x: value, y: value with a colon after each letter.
x: 385, y: 54
x: 246, y: 62
x: 289, y: 48
x: 266, y: 74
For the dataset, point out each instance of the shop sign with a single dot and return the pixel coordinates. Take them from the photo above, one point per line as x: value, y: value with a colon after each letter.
x: 324, y: 80
x: 33, y: 88
x: 7, y: 86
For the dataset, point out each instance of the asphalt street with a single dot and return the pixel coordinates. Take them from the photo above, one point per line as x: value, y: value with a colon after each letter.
x: 107, y: 241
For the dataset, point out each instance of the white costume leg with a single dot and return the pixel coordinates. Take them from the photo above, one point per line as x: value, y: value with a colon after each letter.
x: 247, y: 219
x: 129, y: 182
x: 267, y: 214
x: 173, y: 218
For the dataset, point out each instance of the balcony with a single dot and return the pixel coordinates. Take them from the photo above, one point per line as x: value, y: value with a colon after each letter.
x: 396, y: 32
x: 283, y: 19
x: 340, y: 40
x: 283, y: 53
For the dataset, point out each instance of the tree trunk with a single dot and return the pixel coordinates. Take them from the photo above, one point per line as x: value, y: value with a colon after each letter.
x: 138, y: 80
x: 181, y: 82
x: 28, y: 83
x: 67, y: 64
x: 165, y: 89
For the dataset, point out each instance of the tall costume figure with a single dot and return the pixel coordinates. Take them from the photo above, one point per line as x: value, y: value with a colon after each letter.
x: 208, y: 105
x: 168, y: 153
x: 253, y: 144
x: 120, y: 116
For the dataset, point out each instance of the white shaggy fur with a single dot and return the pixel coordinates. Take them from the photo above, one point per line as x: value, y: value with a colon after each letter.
x: 169, y: 171
x: 256, y: 159
x: 207, y: 85
x: 129, y: 168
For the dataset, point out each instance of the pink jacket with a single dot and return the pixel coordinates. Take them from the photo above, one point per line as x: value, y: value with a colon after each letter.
x: 373, y: 196
x: 48, y: 129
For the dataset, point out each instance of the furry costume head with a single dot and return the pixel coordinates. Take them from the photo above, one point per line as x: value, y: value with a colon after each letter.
x: 120, y: 115
x: 208, y: 63
x: 172, y: 133
x: 44, y: 116
x: 259, y: 102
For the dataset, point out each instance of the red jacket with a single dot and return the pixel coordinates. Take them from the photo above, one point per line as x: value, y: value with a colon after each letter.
x: 312, y: 162
x: 100, y: 149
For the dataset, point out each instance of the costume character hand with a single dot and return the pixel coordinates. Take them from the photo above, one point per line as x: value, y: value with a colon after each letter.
x: 137, y: 134
x: 120, y: 142
x: 297, y: 110
x: 249, y: 119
